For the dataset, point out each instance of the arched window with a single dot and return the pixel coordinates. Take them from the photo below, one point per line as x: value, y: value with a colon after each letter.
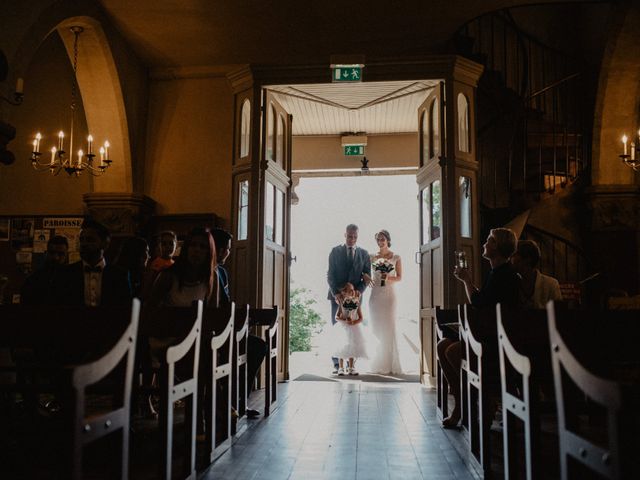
x: 435, y: 128
x: 463, y: 123
x: 424, y: 127
x: 271, y: 113
x: 280, y: 141
x: 245, y: 128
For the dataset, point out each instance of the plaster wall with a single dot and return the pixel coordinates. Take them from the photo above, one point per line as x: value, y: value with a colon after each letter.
x: 382, y: 151
x: 46, y: 109
x: 189, y: 146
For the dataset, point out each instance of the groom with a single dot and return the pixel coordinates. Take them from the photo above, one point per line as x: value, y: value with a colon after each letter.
x: 347, y: 263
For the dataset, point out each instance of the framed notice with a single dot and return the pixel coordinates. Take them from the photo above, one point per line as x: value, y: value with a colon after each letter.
x: 22, y: 233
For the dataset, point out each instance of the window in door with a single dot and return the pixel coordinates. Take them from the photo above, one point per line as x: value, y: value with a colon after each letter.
x: 434, y: 126
x: 245, y: 128
x: 243, y: 209
x: 280, y: 141
x: 269, y: 217
x: 425, y: 208
x: 436, y: 210
x: 463, y: 123
x: 464, y: 196
x: 279, y: 217
x: 271, y: 112
x: 424, y: 128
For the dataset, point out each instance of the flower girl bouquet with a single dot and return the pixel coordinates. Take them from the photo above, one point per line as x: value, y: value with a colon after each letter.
x: 383, y: 266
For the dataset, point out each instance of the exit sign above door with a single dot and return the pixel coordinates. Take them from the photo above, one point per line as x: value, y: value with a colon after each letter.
x: 352, y: 150
x: 346, y: 73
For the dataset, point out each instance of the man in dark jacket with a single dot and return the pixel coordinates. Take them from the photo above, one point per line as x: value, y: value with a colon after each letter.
x: 256, y: 347
x: 39, y: 287
x: 91, y: 281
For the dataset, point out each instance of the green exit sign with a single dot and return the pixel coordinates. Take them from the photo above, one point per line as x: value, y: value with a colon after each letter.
x: 347, y: 73
x: 352, y: 150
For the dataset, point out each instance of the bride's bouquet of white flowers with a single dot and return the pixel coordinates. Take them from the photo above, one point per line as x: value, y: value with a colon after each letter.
x: 350, y: 303
x: 383, y: 266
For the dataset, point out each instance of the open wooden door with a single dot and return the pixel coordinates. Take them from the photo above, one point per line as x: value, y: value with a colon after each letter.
x: 432, y: 214
x: 276, y: 165
x: 261, y: 207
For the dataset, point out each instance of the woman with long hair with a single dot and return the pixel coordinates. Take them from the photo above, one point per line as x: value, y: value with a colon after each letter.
x: 193, y: 276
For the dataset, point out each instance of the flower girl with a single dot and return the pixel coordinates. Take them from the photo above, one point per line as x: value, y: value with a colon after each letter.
x: 348, y: 337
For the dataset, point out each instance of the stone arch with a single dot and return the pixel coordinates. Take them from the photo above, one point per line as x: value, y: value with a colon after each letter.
x: 618, y: 98
x: 98, y: 82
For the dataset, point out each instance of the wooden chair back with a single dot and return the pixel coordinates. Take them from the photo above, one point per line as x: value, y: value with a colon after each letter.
x: 268, y: 317
x: 464, y: 368
x: 87, y: 429
x: 606, y: 461
x: 239, y: 391
x: 220, y: 326
x: 442, y: 386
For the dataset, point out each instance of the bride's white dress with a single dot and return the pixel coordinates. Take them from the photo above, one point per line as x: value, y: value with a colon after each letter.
x: 382, y: 310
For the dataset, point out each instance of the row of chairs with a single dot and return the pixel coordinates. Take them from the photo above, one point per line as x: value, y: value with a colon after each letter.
x: 573, y: 358
x: 202, y: 363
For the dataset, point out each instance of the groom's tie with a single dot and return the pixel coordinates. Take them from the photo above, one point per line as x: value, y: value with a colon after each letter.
x: 350, y: 255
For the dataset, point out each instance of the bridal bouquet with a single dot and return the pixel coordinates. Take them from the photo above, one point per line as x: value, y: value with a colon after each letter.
x: 349, y: 303
x: 383, y: 266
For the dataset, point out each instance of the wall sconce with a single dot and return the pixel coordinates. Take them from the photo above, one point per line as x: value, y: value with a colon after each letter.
x: 631, y: 157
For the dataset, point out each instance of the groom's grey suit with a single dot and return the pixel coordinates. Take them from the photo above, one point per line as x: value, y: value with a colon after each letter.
x: 342, y: 269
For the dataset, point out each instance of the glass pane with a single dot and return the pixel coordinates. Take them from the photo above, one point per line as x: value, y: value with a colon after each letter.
x: 464, y: 193
x: 435, y: 128
x: 425, y: 136
x: 280, y: 141
x: 463, y: 123
x: 436, y: 210
x: 270, y: 120
x: 279, y: 217
x: 426, y: 218
x: 243, y: 209
x: 268, y: 212
x: 245, y: 129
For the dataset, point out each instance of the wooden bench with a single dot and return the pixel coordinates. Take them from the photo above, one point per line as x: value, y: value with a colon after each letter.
x: 79, y: 333
x: 610, y: 341
x: 239, y: 391
x: 268, y: 317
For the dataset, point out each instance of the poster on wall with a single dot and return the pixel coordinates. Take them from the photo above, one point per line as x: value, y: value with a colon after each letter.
x: 24, y: 260
x: 4, y: 229
x: 22, y: 233
x: 40, y: 239
x: 62, y: 222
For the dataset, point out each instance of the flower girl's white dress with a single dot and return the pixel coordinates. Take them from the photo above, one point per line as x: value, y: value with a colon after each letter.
x: 348, y: 340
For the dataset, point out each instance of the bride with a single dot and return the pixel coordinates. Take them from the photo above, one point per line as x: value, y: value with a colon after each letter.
x: 382, y: 307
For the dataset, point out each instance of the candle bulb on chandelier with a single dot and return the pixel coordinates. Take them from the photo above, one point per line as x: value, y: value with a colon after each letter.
x: 19, y: 86
x: 36, y: 143
x: 633, y: 151
x: 624, y: 142
x: 61, y: 141
x: 80, y: 154
x: 102, y: 156
x: 53, y: 155
x: 106, y: 149
x: 89, y: 145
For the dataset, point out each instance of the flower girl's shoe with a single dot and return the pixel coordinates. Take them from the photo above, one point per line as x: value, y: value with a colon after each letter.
x: 341, y: 372
x: 353, y: 371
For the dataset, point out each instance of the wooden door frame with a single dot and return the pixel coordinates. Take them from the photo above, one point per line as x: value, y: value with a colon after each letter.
x: 452, y: 69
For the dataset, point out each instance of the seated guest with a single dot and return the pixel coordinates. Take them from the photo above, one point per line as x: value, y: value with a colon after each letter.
x: 91, y: 281
x: 501, y: 286
x: 133, y: 257
x: 193, y: 276
x: 38, y: 288
x: 536, y: 289
x: 166, y: 248
x: 256, y: 346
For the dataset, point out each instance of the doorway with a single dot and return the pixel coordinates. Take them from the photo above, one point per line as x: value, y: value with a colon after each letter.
x: 326, y: 204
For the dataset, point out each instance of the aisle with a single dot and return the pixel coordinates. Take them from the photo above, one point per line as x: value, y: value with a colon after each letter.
x: 347, y: 430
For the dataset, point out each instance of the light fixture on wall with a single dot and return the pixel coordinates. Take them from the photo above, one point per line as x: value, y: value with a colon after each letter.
x: 631, y: 154
x: 60, y: 158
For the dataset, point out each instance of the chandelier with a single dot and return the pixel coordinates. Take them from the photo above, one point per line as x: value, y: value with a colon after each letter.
x: 62, y: 159
x: 631, y: 157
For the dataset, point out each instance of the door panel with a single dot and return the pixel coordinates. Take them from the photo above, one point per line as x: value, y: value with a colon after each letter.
x: 432, y: 218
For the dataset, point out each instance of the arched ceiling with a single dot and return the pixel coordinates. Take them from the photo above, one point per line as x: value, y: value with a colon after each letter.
x: 173, y: 33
